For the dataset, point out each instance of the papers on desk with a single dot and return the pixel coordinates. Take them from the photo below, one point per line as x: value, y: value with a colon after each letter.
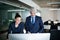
x: 47, y: 26
x: 36, y: 36
x: 58, y: 27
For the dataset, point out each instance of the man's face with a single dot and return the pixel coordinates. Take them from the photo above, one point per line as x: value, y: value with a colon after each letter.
x: 32, y: 13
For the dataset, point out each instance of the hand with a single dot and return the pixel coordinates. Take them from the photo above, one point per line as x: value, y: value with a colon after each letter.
x: 29, y: 32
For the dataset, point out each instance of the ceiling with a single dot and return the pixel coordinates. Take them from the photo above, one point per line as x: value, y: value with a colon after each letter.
x: 48, y: 3
x: 6, y: 7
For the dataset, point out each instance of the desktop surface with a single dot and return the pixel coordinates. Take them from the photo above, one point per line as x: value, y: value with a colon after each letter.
x: 35, y: 36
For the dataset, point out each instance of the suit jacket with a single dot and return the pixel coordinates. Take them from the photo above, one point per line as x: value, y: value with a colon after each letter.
x: 19, y: 29
x: 37, y: 27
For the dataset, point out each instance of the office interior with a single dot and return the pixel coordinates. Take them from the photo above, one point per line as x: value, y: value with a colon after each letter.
x: 49, y: 10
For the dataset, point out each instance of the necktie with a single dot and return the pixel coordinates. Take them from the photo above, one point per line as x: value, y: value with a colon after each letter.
x: 33, y: 20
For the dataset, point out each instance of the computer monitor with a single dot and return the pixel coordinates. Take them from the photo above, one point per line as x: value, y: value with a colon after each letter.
x: 36, y: 36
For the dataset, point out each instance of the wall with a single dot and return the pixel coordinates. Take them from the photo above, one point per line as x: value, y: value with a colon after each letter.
x: 58, y: 15
x: 3, y: 16
x: 46, y: 14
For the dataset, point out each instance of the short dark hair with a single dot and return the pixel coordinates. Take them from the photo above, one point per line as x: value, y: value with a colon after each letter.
x: 17, y: 15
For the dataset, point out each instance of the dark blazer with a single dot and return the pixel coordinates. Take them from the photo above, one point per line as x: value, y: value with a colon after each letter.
x: 19, y: 29
x: 37, y: 27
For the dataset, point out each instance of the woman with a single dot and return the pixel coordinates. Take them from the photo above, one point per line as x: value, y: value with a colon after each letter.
x: 17, y: 26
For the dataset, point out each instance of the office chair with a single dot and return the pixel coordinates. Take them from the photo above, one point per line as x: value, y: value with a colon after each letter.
x: 55, y: 35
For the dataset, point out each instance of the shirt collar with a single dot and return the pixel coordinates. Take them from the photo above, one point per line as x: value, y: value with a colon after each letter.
x: 33, y: 16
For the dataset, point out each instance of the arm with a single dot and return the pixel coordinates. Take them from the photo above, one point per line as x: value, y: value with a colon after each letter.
x: 41, y: 29
x: 22, y: 27
x: 9, y: 30
x: 26, y: 24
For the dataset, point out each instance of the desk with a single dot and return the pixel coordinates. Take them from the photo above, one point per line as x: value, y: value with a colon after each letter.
x: 47, y: 27
x: 58, y: 27
x: 35, y: 36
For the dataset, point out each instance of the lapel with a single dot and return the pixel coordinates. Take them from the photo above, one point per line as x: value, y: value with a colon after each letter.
x: 30, y: 19
x: 36, y: 19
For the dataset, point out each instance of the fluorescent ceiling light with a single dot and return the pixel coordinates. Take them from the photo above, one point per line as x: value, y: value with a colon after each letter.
x: 54, y: 3
x: 15, y: 10
x: 54, y: 9
x: 22, y: 7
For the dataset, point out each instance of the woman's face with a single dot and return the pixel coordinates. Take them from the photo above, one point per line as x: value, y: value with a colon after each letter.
x: 18, y: 20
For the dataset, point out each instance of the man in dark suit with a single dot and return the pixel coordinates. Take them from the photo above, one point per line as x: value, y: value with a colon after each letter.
x: 34, y: 23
